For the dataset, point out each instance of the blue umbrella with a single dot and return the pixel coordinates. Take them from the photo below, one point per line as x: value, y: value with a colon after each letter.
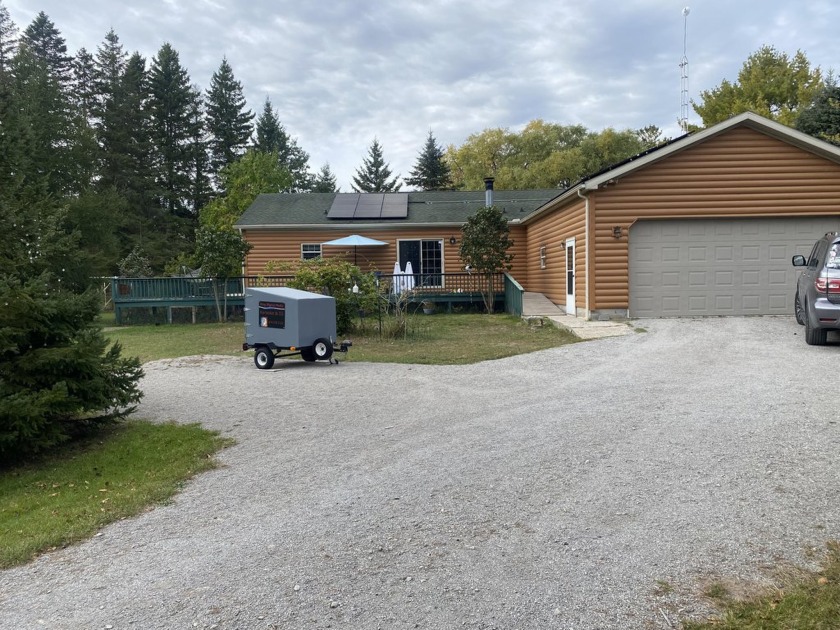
x: 355, y: 240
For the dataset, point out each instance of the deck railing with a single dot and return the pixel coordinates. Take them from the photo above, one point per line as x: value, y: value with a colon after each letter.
x: 178, y: 292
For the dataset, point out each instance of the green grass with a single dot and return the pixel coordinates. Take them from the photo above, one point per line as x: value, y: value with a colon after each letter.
x: 149, y: 343
x: 805, y: 601
x: 433, y: 339
x: 69, y: 495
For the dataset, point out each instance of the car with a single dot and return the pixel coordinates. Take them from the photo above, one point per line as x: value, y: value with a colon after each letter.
x: 816, y: 304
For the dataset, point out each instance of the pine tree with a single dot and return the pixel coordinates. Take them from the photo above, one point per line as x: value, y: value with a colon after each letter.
x: 170, y: 103
x: 273, y: 138
x: 822, y: 117
x: 325, y: 181
x: 228, y: 122
x: 373, y: 175
x: 431, y: 172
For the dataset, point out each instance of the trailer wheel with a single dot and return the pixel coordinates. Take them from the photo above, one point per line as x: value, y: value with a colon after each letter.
x: 264, y: 358
x: 323, y: 349
x: 307, y: 354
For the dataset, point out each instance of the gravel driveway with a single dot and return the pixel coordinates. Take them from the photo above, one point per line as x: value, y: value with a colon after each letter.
x: 599, y: 485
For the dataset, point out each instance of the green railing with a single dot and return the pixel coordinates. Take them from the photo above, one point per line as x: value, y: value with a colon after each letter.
x: 180, y: 292
x: 514, y: 296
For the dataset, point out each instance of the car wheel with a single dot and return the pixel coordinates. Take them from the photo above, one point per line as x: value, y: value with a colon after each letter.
x: 798, y: 311
x: 307, y: 354
x: 323, y: 349
x: 814, y: 336
x: 264, y: 358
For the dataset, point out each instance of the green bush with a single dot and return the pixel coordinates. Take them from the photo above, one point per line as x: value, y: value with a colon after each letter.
x: 58, y: 375
x: 331, y: 276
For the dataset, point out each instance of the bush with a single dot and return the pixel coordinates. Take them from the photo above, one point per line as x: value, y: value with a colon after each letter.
x: 330, y: 276
x: 58, y: 377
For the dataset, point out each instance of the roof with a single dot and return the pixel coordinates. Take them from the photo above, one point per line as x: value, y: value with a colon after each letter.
x: 651, y: 156
x: 298, y: 210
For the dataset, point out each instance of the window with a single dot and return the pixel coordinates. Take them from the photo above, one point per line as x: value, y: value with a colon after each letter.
x: 310, y: 250
x: 542, y: 257
x: 426, y: 258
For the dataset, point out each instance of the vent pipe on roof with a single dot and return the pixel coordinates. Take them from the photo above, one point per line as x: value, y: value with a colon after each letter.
x: 488, y: 191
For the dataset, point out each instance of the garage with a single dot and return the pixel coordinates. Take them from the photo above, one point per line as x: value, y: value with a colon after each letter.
x: 710, y: 267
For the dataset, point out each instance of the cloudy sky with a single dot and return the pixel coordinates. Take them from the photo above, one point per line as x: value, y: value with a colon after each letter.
x: 341, y: 72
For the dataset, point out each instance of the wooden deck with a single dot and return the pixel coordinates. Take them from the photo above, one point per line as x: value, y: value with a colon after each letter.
x: 193, y: 293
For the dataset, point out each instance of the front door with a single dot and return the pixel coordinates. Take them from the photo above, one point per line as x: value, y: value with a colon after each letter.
x: 570, y: 277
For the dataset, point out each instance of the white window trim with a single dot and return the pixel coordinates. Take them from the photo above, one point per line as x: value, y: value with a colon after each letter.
x: 302, y: 251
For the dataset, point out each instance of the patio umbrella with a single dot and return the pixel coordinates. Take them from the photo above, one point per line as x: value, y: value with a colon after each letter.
x: 355, y: 240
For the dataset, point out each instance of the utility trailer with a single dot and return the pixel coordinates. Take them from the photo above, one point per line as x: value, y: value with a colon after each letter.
x: 283, y: 322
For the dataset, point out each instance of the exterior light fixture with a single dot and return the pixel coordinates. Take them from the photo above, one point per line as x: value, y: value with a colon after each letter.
x: 617, y: 231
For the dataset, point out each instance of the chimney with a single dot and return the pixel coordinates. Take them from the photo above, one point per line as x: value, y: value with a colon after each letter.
x: 488, y: 191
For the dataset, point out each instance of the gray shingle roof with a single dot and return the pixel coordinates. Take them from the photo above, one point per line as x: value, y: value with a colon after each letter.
x: 298, y: 209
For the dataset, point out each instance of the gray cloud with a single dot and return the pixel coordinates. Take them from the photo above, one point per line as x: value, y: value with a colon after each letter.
x: 344, y: 72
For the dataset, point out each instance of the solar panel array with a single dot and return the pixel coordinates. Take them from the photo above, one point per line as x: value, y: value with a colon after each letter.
x: 369, y: 206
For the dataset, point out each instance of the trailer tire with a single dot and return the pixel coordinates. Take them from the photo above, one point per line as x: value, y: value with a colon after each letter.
x: 322, y: 349
x: 264, y: 358
x: 307, y: 354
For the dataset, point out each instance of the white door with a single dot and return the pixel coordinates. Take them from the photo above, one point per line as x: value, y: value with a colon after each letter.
x: 570, y: 277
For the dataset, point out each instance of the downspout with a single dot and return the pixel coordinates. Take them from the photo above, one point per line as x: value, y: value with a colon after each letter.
x: 586, y: 244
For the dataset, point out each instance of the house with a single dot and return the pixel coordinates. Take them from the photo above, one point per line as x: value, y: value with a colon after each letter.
x: 704, y: 225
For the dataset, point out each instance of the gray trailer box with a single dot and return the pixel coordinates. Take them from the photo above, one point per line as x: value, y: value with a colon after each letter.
x: 281, y: 319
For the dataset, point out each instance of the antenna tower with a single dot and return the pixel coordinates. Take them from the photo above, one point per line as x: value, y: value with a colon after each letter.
x: 683, y: 121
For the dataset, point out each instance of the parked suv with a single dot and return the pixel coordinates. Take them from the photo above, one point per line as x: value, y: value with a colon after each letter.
x: 817, y: 301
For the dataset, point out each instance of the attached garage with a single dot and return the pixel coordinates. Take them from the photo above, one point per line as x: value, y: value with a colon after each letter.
x: 705, y: 267
x: 705, y: 225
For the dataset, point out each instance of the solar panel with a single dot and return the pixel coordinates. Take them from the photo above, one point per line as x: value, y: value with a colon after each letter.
x: 395, y: 206
x: 369, y: 206
x: 343, y: 206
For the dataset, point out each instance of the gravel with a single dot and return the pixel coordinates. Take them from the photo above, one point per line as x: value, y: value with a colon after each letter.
x: 599, y: 485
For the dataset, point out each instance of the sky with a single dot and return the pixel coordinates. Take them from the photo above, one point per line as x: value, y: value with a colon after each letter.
x: 343, y: 72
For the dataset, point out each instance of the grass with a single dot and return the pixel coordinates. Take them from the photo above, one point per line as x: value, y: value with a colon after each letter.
x: 69, y: 495
x: 806, y: 601
x: 441, y: 339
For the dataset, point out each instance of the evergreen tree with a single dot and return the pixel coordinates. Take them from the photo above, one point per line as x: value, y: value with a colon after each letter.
x: 57, y: 373
x: 822, y: 117
x: 201, y: 189
x: 48, y: 118
x: 171, y: 103
x: 228, y: 122
x: 8, y: 40
x: 373, y: 175
x: 47, y: 44
x: 273, y: 138
x: 431, y: 172
x: 84, y: 84
x: 325, y: 181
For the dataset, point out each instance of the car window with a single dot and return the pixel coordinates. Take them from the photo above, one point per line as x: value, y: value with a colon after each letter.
x: 833, y: 259
x: 817, y: 254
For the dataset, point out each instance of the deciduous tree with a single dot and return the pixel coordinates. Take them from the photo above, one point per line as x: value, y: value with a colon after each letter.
x: 485, y: 245
x: 770, y: 83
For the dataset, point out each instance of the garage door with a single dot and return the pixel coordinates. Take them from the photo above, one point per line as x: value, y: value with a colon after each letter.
x: 687, y: 268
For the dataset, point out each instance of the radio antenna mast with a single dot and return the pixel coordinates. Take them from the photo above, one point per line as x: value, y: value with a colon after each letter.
x: 683, y: 120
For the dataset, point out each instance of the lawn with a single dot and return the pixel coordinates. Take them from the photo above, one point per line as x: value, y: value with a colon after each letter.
x: 430, y: 339
x: 70, y: 494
